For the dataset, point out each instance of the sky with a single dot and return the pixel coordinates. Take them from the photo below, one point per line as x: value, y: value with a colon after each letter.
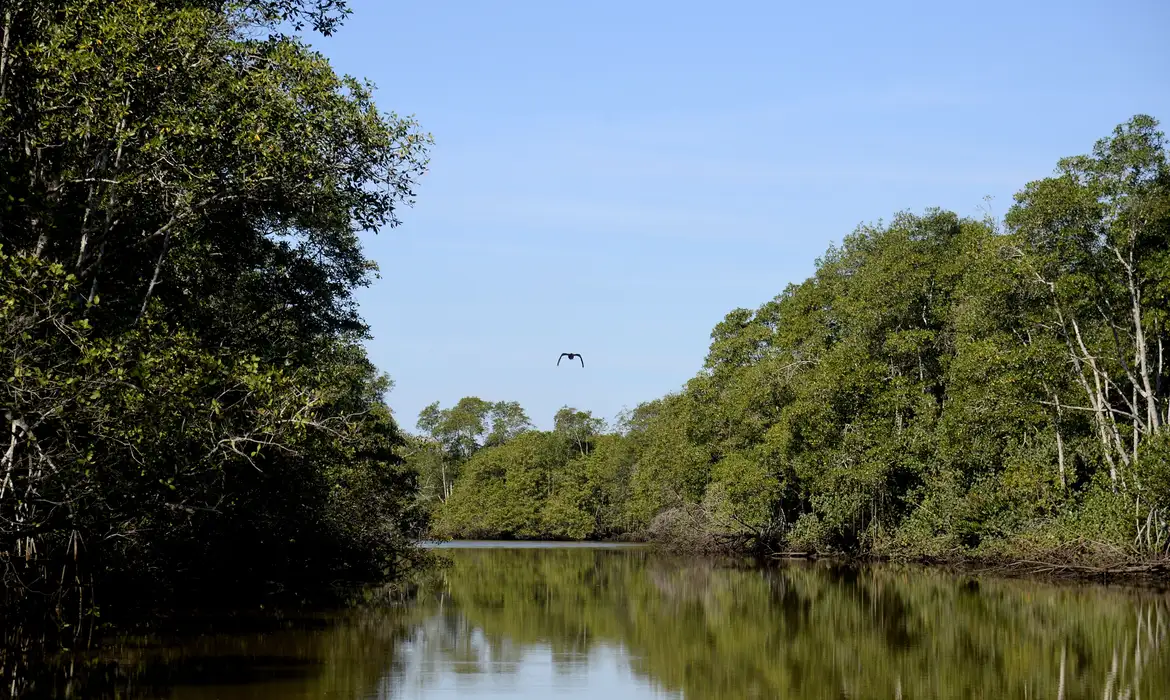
x: 612, y: 178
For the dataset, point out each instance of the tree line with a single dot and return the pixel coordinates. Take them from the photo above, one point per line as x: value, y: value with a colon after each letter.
x: 941, y: 386
x: 187, y: 403
x: 186, y: 400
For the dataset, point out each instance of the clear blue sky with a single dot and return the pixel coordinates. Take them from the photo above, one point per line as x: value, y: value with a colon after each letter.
x: 611, y: 178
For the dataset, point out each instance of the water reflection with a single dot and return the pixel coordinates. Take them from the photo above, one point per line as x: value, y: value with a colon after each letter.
x: 627, y: 623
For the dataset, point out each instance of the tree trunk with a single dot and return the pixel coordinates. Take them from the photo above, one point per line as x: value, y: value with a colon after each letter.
x: 4, y: 52
x: 1059, y: 442
x: 1153, y: 415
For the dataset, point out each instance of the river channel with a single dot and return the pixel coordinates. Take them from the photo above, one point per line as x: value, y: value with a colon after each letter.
x: 552, y: 621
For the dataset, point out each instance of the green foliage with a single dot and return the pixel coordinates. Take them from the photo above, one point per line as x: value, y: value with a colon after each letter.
x: 568, y: 483
x: 454, y: 435
x: 940, y: 386
x: 502, y: 489
x: 186, y: 401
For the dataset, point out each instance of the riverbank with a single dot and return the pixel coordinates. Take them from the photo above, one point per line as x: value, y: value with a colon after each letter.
x: 1079, y: 562
x: 1125, y: 571
x: 1074, y: 564
x: 1153, y: 574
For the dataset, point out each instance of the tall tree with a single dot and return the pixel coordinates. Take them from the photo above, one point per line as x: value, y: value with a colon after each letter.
x: 184, y: 185
x: 464, y: 429
x: 578, y: 427
x: 1096, y: 238
x: 508, y: 420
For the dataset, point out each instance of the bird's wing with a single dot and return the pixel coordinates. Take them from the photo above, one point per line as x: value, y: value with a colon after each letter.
x: 582, y: 359
x: 561, y: 358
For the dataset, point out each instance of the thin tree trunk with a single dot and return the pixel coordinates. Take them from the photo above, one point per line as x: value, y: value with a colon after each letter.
x: 1141, y: 352
x: 1158, y: 385
x: 97, y: 266
x: 99, y: 168
x: 110, y: 206
x: 9, y: 457
x: 1101, y: 402
x: 1154, y: 418
x: 1158, y: 389
x: 1136, y: 432
x: 1093, y: 396
x: 42, y: 237
x: 4, y: 52
x: 154, y: 278
x: 1059, y: 441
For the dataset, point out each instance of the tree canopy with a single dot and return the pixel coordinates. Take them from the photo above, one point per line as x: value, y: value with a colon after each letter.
x: 186, y: 399
x: 941, y: 385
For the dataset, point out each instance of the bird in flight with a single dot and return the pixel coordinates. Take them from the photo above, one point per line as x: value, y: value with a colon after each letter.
x: 572, y: 356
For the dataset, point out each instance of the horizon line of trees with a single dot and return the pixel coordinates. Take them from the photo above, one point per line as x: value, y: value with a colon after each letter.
x: 940, y: 386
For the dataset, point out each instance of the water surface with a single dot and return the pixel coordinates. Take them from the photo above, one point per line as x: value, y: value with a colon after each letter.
x: 528, y: 544
x: 507, y: 621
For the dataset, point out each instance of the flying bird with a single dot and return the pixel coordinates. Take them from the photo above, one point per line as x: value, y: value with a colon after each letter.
x: 572, y: 356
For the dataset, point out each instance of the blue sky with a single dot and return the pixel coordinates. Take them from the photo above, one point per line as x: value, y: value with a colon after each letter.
x: 611, y: 178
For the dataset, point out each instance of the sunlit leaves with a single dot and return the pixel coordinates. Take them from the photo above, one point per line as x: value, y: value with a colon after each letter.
x: 184, y: 188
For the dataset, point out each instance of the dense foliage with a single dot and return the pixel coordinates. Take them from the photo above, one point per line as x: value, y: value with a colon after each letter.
x: 185, y: 397
x: 940, y: 386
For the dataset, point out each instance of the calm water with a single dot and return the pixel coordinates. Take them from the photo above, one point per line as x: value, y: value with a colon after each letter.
x: 621, y: 622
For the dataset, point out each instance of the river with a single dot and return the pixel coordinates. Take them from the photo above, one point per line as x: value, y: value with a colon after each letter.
x: 546, y: 620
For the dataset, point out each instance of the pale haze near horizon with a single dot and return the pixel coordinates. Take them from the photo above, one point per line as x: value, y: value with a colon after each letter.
x: 613, y: 178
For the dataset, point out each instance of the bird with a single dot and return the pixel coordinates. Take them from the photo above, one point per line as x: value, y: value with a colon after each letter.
x: 572, y: 356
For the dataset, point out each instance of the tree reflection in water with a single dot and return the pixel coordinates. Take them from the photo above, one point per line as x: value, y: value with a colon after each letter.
x: 631, y: 623
x: 716, y: 630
